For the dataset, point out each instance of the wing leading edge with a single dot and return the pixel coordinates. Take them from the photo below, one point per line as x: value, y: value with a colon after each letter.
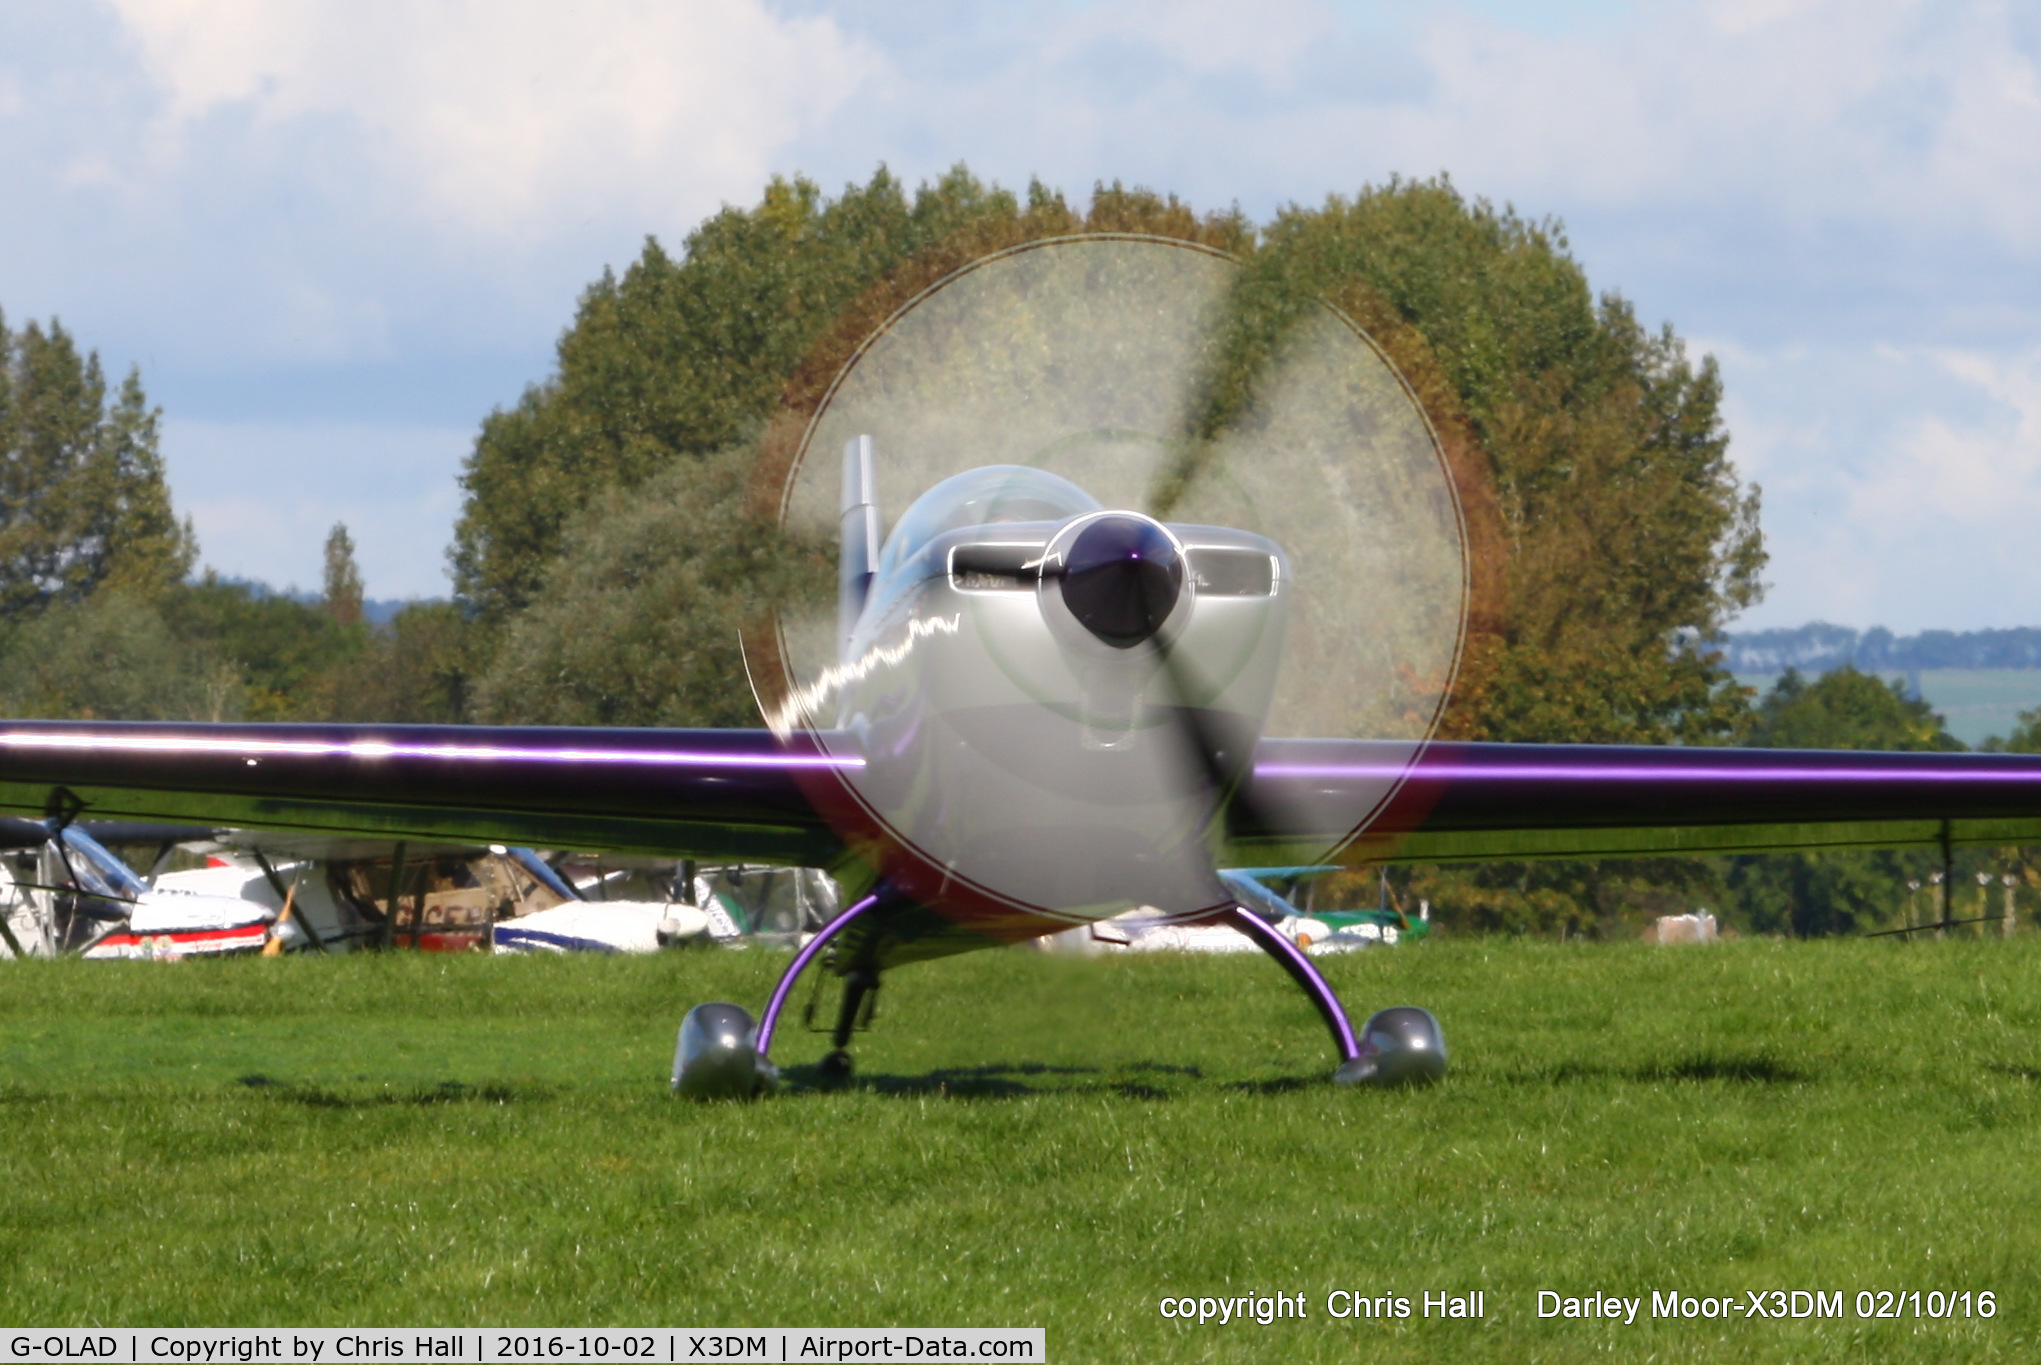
x: 1474, y: 802
x: 722, y: 793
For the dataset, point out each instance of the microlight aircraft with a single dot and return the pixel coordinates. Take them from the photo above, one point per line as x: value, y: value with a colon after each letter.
x: 1134, y: 582
x: 63, y: 890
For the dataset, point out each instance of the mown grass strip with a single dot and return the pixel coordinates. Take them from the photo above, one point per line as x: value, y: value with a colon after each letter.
x: 400, y: 1139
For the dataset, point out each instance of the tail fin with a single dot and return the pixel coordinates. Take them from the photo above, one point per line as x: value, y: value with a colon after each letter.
x: 859, y: 554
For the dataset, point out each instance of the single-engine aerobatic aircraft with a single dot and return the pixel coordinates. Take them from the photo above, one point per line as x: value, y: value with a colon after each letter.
x: 1164, y: 594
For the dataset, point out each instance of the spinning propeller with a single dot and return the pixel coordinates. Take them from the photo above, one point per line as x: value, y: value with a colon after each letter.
x: 1144, y: 372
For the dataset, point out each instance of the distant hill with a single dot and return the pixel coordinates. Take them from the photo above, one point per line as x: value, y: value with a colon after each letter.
x: 1819, y: 646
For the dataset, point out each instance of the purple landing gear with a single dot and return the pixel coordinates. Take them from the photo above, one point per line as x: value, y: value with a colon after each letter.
x: 1401, y: 1046
x: 721, y: 1055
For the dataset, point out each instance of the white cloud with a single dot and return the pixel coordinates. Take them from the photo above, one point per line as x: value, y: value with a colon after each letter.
x: 505, y: 119
x: 1267, y: 40
x: 1844, y: 196
x: 1982, y: 469
x: 1910, y: 500
x: 291, y: 210
x: 1713, y: 123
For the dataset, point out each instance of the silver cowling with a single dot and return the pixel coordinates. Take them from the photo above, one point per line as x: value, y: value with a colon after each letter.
x: 1400, y: 1046
x: 717, y: 1055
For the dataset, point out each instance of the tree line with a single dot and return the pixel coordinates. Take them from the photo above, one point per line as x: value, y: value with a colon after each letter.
x: 1819, y: 646
x: 101, y: 615
x: 609, y: 543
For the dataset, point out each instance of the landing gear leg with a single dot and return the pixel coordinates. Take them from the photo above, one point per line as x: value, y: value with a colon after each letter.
x: 721, y: 1055
x: 860, y: 985
x: 1401, y: 1046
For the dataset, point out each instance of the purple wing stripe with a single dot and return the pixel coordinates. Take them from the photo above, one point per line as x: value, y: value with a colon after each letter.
x: 247, y: 746
x: 1455, y: 786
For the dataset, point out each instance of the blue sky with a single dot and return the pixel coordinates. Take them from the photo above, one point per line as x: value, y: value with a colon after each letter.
x: 334, y: 235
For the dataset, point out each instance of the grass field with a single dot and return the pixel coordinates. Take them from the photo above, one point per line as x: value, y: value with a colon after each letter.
x: 1037, y: 1142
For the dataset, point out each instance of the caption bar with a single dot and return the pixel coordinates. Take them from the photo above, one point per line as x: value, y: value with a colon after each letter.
x: 346, y: 1345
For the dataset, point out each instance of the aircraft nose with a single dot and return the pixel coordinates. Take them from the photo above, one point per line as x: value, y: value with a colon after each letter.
x: 1121, y: 578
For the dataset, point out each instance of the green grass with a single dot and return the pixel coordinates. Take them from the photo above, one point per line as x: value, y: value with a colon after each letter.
x: 1036, y: 1142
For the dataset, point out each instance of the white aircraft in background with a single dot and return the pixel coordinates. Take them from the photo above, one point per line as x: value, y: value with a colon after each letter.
x: 67, y: 892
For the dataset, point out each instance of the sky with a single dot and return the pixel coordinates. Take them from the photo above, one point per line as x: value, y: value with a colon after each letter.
x: 334, y: 236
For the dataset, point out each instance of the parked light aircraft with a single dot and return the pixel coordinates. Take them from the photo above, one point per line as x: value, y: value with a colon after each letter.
x: 467, y: 897
x: 1109, y: 644
x: 64, y: 891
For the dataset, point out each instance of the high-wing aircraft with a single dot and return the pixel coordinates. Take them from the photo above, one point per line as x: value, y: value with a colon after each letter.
x: 1109, y: 644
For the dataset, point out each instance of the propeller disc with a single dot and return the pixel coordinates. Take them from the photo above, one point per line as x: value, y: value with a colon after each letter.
x: 1188, y: 526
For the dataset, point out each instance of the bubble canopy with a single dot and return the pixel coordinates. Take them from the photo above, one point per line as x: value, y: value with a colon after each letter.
x: 1102, y: 376
x: 989, y: 496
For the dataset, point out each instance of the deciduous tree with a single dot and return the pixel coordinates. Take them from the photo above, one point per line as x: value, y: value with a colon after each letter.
x: 113, y: 656
x: 1624, y: 537
x: 637, y: 623
x: 683, y: 354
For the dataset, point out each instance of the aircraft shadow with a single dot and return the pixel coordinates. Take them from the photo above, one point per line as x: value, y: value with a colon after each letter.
x: 445, y: 1092
x: 1003, y: 1081
x: 1754, y: 1069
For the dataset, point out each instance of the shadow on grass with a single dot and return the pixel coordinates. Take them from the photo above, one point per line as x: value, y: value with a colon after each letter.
x: 1755, y: 1069
x: 1003, y: 1081
x: 1760, y: 1070
x: 1282, y: 1085
x: 446, y: 1092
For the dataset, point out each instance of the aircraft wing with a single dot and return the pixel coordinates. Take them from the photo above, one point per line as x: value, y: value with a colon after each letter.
x: 1474, y: 802
x: 721, y: 793
x: 737, y: 793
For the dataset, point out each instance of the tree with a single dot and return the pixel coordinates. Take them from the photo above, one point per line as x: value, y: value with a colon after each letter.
x: 681, y: 362
x: 342, y: 595
x: 1846, y: 709
x: 1612, y: 537
x: 83, y: 502
x: 677, y: 358
x: 114, y: 656
x: 1627, y: 539
x: 98, y: 620
x: 280, y: 649
x: 417, y: 669
x: 682, y: 357
x: 1623, y: 534
x: 638, y: 622
x: 2025, y: 738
